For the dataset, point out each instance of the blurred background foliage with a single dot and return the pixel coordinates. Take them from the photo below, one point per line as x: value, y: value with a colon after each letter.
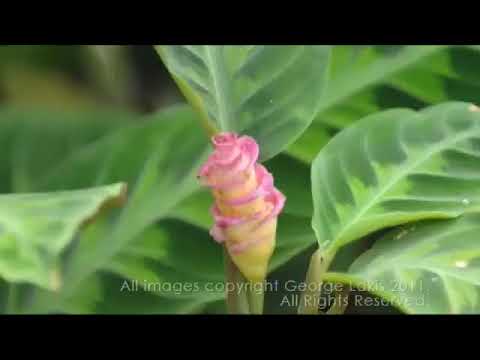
x: 79, y: 77
x: 78, y: 116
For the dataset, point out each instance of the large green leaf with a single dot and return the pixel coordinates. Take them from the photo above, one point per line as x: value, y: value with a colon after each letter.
x: 140, y: 154
x: 368, y: 79
x: 174, y: 260
x: 429, y: 267
x: 269, y: 92
x: 159, y: 159
x: 358, y: 86
x: 36, y: 228
x: 394, y: 167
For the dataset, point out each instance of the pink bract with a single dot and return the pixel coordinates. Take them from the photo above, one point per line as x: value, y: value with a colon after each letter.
x: 229, y: 169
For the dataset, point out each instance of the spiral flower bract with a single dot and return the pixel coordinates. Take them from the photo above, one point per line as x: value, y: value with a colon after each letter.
x: 246, y: 203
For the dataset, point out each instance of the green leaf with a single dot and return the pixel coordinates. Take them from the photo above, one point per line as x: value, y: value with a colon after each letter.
x: 429, y: 267
x: 26, y: 131
x: 175, y: 260
x: 394, y: 167
x: 310, y: 142
x: 294, y: 235
x: 269, y: 92
x: 158, y: 158
x: 36, y: 228
x: 354, y: 70
x: 107, y: 293
x: 368, y: 79
x: 292, y: 177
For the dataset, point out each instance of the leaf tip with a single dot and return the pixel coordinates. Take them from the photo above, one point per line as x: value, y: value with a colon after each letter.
x: 116, y: 199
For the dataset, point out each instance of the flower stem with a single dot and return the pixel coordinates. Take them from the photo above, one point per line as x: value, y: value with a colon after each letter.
x: 237, y: 299
x: 310, y: 298
x: 256, y: 297
x: 341, y: 302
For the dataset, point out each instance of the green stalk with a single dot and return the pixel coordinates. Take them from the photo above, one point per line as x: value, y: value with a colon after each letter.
x: 256, y: 297
x: 237, y: 299
x: 340, y: 305
x: 310, y: 298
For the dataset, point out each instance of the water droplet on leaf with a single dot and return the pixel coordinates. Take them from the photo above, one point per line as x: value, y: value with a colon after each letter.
x: 466, y: 202
x: 462, y: 264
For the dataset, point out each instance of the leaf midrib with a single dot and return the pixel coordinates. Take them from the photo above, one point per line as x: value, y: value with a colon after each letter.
x: 218, y: 75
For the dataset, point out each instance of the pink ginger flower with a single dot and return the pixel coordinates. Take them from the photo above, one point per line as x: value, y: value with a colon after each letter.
x: 246, y: 203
